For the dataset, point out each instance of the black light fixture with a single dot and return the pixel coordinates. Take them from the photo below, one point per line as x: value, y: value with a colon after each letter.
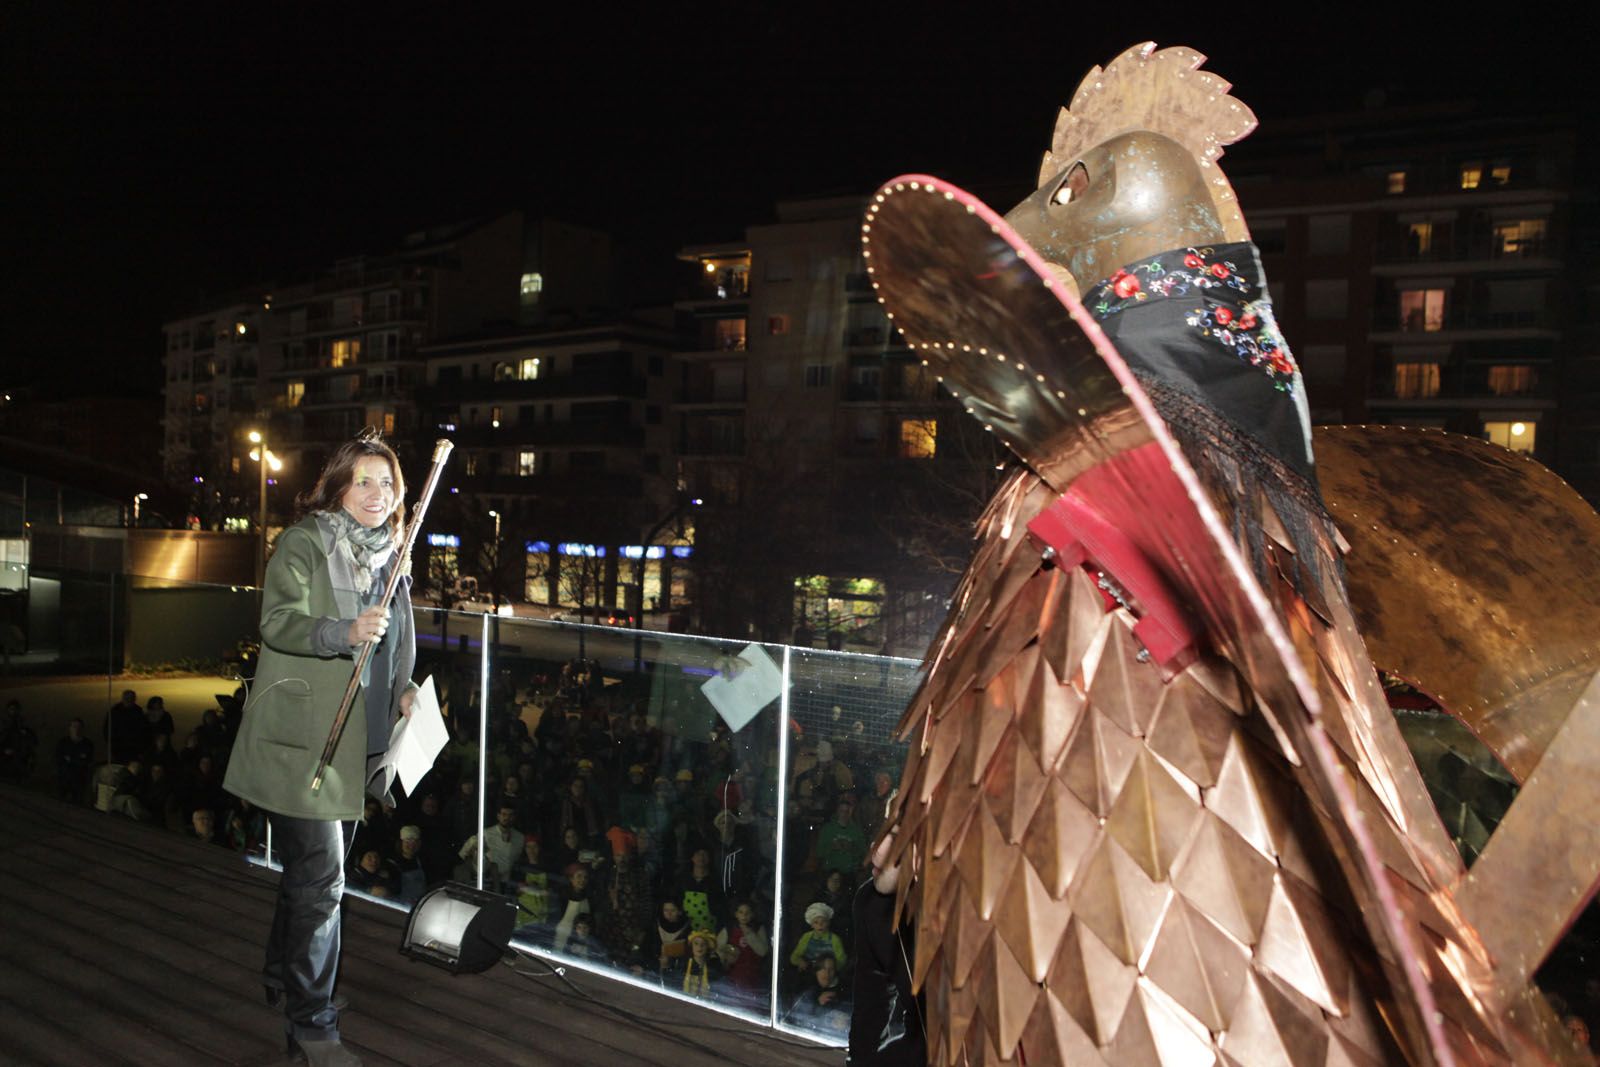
x: 462, y: 929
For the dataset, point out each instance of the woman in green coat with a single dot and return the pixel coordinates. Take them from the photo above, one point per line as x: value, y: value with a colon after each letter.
x: 319, y: 606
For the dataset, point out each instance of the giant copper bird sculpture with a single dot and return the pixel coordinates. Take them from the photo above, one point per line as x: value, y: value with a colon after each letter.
x: 1156, y: 809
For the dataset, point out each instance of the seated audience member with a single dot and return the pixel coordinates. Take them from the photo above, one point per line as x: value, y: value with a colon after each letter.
x: 702, y: 970
x: 840, y: 843
x: 666, y: 941
x: 203, y: 826
x: 511, y: 796
x: 74, y: 760
x: 817, y: 942
x: 157, y: 721
x: 124, y: 729
x: 871, y: 809
x: 569, y: 851
x: 18, y: 744
x: 131, y: 790
x: 743, y: 947
x: 370, y: 876
x: 246, y: 826
x: 633, y: 805
x: 502, y: 848
x: 837, y: 893
x: 824, y: 1005
x: 626, y: 904
x: 700, y: 892
x: 534, y: 888
x: 735, y: 856
x: 583, y: 943
x: 575, y: 900
x: 159, y: 798
x: 164, y: 755
x: 214, y: 737
x: 404, y: 867
x: 372, y: 829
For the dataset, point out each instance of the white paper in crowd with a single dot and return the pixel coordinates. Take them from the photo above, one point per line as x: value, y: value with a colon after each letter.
x: 744, y: 684
x: 413, y: 744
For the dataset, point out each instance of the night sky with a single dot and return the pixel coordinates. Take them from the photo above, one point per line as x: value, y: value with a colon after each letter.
x: 154, y: 160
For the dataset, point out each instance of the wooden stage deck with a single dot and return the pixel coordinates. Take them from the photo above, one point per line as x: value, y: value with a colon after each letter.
x: 124, y: 944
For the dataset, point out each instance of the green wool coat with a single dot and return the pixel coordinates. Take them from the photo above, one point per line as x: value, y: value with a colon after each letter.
x: 296, y: 693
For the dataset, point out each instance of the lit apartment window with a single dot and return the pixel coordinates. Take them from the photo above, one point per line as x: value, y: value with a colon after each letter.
x: 1396, y: 182
x: 1419, y: 238
x: 918, y: 438
x: 1524, y: 237
x: 344, y: 351
x: 1500, y: 174
x: 388, y: 422
x: 1416, y: 381
x: 778, y: 324
x: 1513, y: 379
x: 1471, y: 175
x: 1517, y: 436
x: 472, y: 464
x: 494, y: 416
x: 819, y: 376
x: 729, y: 335
x: 532, y: 286
x: 527, y: 464
x: 293, y: 393
x: 531, y: 368
x: 1421, y: 310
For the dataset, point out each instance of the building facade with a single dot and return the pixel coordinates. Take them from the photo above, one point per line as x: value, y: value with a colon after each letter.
x: 561, y: 491
x: 832, y: 470
x: 1428, y: 266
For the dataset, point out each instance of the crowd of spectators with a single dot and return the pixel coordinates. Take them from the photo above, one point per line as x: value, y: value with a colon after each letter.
x: 650, y: 851
x: 148, y: 778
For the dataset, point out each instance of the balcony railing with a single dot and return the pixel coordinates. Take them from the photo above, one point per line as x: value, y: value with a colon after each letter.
x: 574, y: 432
x: 1398, y: 250
x: 1391, y: 321
x: 558, y: 386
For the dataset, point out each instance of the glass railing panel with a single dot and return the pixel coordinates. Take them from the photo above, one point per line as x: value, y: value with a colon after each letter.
x: 648, y: 772
x: 428, y: 836
x: 843, y: 765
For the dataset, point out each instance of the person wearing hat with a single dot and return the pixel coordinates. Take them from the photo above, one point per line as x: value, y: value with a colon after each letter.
x: 817, y: 942
x: 702, y: 967
x: 405, y: 868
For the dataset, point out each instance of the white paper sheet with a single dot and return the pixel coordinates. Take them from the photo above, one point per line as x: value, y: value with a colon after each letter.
x: 743, y: 686
x: 413, y: 745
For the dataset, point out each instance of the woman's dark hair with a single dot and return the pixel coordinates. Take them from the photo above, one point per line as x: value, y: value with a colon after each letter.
x: 340, y: 472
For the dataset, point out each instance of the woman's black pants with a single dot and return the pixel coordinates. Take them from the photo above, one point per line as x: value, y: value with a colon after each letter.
x: 303, y: 948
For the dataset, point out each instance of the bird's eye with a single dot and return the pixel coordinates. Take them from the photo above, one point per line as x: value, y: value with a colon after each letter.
x: 1073, y: 185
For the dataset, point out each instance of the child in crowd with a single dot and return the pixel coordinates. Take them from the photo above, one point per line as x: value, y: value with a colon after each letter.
x: 743, y: 947
x: 668, y: 940
x: 702, y: 971
x: 583, y: 943
x: 818, y: 941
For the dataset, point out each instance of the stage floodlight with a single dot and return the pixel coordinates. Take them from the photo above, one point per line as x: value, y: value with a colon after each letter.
x: 462, y: 929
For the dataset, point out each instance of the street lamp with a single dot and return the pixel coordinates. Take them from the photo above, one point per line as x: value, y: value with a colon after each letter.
x: 136, y: 498
x: 259, y: 439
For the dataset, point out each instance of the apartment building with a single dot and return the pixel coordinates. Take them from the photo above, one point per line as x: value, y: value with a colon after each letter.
x: 308, y: 363
x: 821, y: 449
x: 561, y: 491
x: 1428, y: 267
